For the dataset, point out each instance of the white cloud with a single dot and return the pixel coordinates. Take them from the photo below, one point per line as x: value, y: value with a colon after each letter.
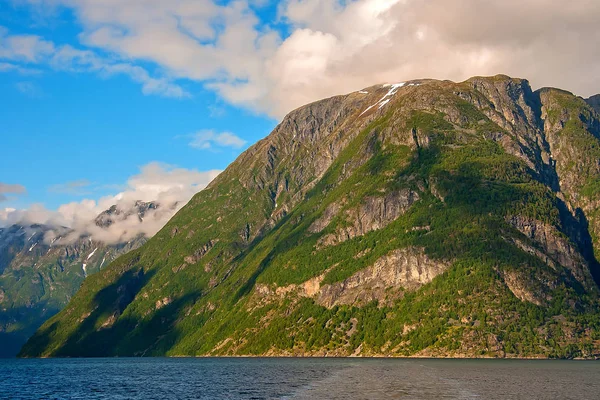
x: 6, y: 188
x: 11, y: 188
x: 35, y: 214
x: 24, y: 48
x: 169, y: 186
x: 78, y: 187
x: 208, y: 139
x: 9, y: 67
x: 29, y: 89
x: 33, y: 50
x: 159, y: 86
x: 216, y: 111
x: 338, y: 46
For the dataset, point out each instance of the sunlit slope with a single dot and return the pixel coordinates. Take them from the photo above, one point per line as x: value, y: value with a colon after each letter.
x: 425, y: 218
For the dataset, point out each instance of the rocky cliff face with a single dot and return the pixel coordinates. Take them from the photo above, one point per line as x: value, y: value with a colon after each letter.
x: 594, y: 101
x: 385, y: 281
x: 421, y: 218
x: 375, y: 213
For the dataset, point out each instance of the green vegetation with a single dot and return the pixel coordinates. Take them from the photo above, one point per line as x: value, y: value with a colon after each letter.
x: 499, y: 297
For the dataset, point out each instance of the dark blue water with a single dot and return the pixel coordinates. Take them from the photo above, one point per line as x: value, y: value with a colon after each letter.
x: 162, y: 378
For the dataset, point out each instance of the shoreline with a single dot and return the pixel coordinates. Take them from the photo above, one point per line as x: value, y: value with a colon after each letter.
x: 322, y: 357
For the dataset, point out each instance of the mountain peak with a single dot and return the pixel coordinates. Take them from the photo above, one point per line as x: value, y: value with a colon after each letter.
x: 115, y: 212
x: 420, y: 218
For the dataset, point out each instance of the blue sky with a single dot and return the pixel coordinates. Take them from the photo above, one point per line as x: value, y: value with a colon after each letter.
x: 104, y: 100
x: 61, y: 126
x: 102, y: 130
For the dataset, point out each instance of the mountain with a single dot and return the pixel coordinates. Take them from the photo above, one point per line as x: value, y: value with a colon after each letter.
x: 115, y: 213
x: 41, y: 269
x: 426, y: 218
x: 594, y: 101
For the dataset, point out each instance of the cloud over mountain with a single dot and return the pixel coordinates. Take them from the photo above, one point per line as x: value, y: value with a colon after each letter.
x: 318, y: 48
x: 166, y: 185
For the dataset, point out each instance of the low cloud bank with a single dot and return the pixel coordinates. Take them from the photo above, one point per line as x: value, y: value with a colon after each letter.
x: 171, y: 188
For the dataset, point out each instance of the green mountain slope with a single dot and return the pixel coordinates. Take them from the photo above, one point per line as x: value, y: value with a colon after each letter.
x: 39, y: 275
x: 426, y: 218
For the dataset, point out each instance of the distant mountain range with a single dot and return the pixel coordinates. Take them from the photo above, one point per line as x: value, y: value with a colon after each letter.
x: 424, y: 218
x: 40, y: 271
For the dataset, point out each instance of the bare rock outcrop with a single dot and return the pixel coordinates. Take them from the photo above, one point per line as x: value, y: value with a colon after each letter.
x: 201, y: 252
x: 555, y: 246
x: 402, y: 269
x: 325, y: 219
x: 387, y: 279
x: 517, y: 285
x: 375, y: 213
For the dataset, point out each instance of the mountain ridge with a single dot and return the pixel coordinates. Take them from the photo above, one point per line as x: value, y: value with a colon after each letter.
x: 425, y: 218
x: 42, y: 266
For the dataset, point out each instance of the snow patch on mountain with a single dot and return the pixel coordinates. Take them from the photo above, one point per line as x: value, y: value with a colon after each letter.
x: 91, y: 254
x: 384, y: 100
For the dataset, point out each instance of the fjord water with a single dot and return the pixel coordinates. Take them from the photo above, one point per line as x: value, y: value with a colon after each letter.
x: 260, y: 378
